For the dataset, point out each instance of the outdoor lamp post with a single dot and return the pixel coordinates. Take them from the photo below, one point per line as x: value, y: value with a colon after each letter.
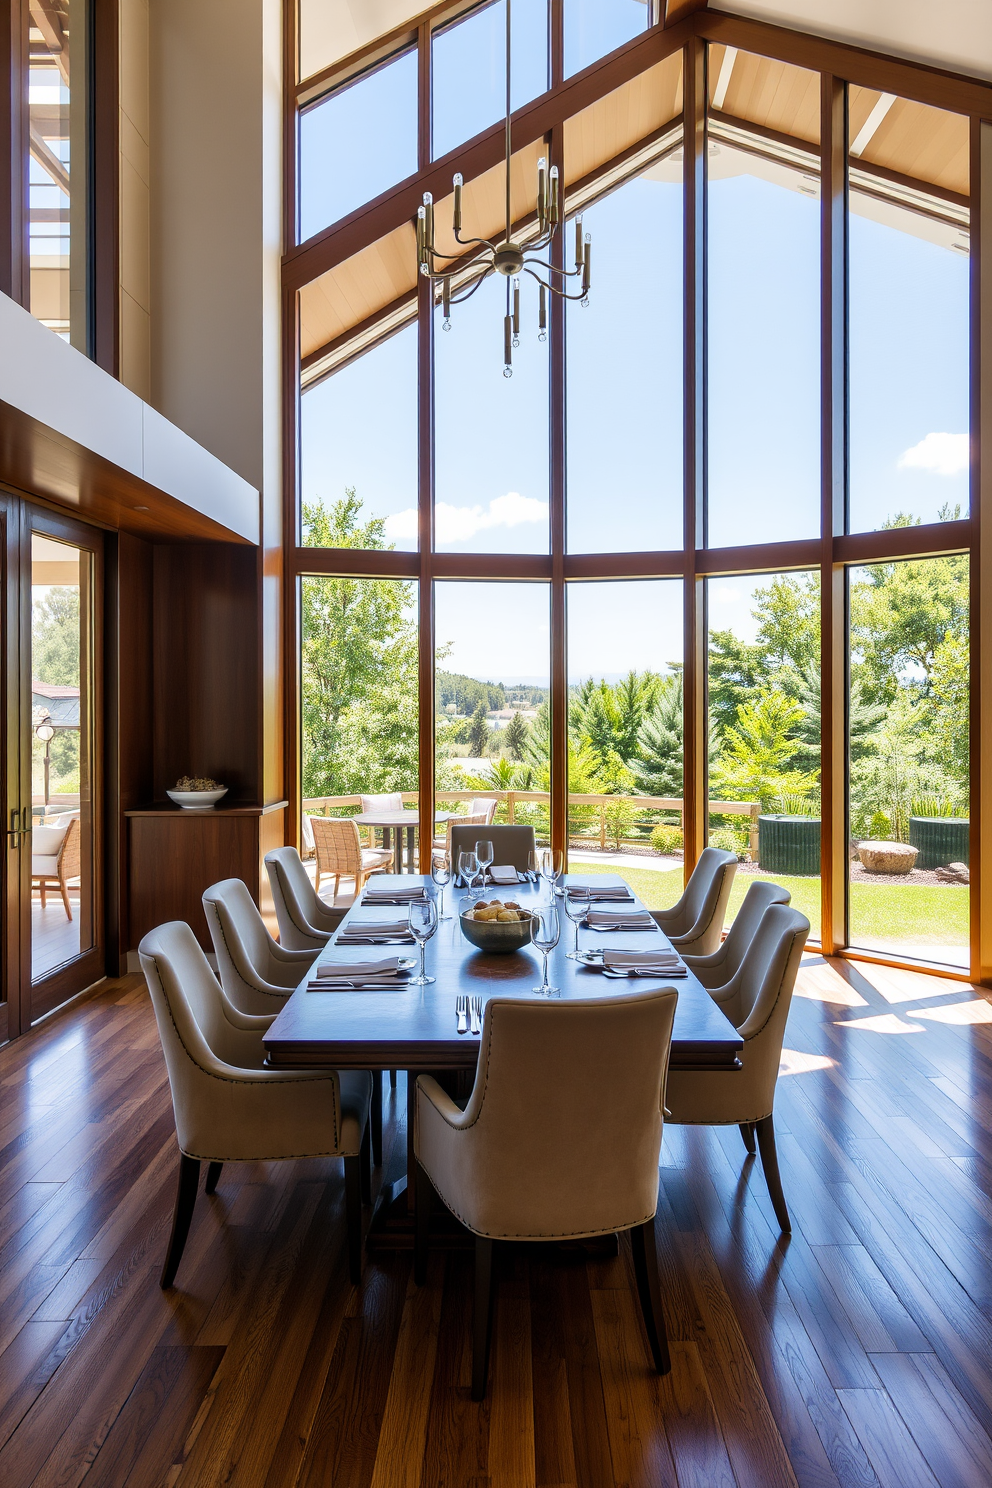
x: 46, y: 733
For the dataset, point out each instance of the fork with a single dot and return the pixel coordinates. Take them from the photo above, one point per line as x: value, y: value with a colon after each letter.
x: 475, y: 1009
x: 461, y: 1013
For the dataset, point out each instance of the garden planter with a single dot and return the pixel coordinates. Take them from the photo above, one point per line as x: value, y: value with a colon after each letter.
x: 941, y: 840
x: 789, y: 844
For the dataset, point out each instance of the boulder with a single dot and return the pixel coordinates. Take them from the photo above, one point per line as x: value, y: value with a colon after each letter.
x: 954, y: 873
x: 887, y: 857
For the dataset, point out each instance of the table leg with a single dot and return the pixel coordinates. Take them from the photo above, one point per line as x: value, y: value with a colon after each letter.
x: 398, y: 851
x: 392, y: 1224
x: 411, y: 848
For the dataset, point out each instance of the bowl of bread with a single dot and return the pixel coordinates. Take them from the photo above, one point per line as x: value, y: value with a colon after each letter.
x: 495, y: 925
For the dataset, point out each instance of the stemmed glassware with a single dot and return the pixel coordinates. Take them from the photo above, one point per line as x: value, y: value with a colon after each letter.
x: 423, y: 923
x: 468, y: 867
x: 534, y: 860
x: 485, y: 854
x: 552, y: 868
x: 575, y: 909
x: 546, y: 929
x: 441, y: 874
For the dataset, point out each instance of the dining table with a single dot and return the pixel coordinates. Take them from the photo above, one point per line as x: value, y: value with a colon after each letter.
x: 406, y: 820
x: 414, y: 1028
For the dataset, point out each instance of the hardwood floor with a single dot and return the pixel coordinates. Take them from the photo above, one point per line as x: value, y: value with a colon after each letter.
x: 855, y: 1354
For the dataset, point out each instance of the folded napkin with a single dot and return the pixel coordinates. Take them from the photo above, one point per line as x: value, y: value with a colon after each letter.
x: 363, y: 929
x: 388, y: 966
x: 402, y: 892
x: 504, y: 874
x: 627, y: 919
x: 583, y: 891
x: 641, y: 960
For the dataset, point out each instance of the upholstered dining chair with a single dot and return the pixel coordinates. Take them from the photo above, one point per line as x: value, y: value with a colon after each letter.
x: 560, y: 1139
x: 694, y: 925
x: 512, y: 844
x: 716, y: 970
x: 339, y: 852
x: 257, y: 974
x: 306, y: 923
x: 757, y: 1001
x: 228, y: 1108
x: 55, y: 857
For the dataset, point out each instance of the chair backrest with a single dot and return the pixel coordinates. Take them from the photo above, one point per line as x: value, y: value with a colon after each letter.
x: 568, y: 1108
x: 307, y: 834
x: 482, y: 808
x: 760, y: 895
x: 337, y: 844
x: 510, y: 844
x: 252, y: 977
x: 704, y: 903
x: 298, y: 909
x: 48, y: 840
x: 391, y: 801
x: 763, y: 986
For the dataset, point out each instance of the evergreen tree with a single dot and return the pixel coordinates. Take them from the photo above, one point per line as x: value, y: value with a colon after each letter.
x: 515, y: 737
x: 479, y: 731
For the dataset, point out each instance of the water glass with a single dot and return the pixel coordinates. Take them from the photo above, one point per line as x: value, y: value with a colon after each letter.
x: 468, y: 867
x: 576, y: 910
x: 544, y: 933
x: 534, y: 860
x: 441, y: 875
x: 423, y: 923
x: 485, y: 854
x: 552, y: 868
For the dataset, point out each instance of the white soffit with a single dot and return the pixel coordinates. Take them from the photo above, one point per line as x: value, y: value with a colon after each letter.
x: 956, y: 34
x: 331, y: 29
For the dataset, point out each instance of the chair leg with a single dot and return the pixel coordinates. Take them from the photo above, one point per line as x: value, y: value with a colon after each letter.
x: 213, y: 1177
x: 649, y: 1290
x: 353, y: 1215
x: 42, y: 887
x: 65, y: 898
x: 365, y: 1157
x: 747, y: 1132
x: 189, y: 1177
x: 421, y: 1236
x: 392, y: 1079
x: 769, y: 1161
x: 483, y: 1316
x: 375, y: 1117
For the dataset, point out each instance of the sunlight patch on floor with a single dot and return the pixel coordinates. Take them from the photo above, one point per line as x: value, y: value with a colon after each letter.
x: 821, y: 983
x: 975, y: 1010
x: 881, y: 1023
x: 795, y: 1063
x: 896, y: 985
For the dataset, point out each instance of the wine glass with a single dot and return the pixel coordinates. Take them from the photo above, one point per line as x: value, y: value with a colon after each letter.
x: 545, y: 931
x: 576, y: 910
x: 423, y: 923
x: 485, y: 854
x: 468, y: 867
x: 534, y: 860
x: 441, y: 874
x: 552, y: 868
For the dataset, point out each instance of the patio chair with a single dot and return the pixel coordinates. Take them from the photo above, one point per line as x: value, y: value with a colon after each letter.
x: 480, y: 813
x: 340, y: 854
x: 55, y: 857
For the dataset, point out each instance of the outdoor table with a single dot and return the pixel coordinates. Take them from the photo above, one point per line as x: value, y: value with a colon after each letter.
x: 413, y: 1028
x: 400, y: 822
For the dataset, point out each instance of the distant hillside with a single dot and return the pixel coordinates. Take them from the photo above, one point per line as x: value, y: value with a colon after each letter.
x: 468, y: 692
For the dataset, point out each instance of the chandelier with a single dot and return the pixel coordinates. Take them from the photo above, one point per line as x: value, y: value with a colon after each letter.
x: 511, y: 257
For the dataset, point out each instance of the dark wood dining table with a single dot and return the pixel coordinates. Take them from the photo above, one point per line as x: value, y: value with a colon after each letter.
x: 399, y: 822
x: 413, y: 1028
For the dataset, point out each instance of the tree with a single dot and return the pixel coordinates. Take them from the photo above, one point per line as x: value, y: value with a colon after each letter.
x: 659, y: 765
x: 755, y: 762
x: 479, y: 732
x: 55, y: 636
x: 515, y: 737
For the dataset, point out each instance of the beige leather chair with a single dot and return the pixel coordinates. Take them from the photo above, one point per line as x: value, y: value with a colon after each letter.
x: 340, y: 854
x: 256, y: 973
x: 695, y: 923
x: 560, y: 1138
x: 228, y: 1108
x: 757, y: 1002
x: 716, y: 970
x: 510, y: 844
x: 306, y: 923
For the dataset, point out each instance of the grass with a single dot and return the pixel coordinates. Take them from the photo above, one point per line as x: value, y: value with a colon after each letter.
x: 890, y: 915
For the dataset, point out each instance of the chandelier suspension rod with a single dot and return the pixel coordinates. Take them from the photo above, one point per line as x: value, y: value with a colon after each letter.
x: 508, y: 146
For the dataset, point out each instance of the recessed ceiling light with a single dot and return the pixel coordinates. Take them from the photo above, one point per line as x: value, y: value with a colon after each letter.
x: 141, y: 508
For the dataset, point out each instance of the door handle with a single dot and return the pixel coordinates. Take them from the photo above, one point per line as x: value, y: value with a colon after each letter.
x: 14, y: 832
x: 26, y: 820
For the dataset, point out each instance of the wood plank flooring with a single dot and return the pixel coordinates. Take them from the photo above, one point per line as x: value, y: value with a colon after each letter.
x: 855, y: 1355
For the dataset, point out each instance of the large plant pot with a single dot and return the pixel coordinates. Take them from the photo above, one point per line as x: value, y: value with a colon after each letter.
x: 789, y: 844
x: 940, y: 839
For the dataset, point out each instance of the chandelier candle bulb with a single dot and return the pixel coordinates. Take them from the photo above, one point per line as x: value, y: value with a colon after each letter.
x: 542, y: 324
x: 542, y: 192
x: 516, y: 307
x: 421, y: 245
x: 429, y: 220
x: 446, y: 300
x: 578, y: 243
x: 507, y: 344
x: 456, y: 211
x: 554, y: 193
x: 586, y: 264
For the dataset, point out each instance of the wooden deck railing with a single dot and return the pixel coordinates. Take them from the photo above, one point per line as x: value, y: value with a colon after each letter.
x: 511, y: 799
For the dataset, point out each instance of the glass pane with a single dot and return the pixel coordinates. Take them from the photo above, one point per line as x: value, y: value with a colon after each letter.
x: 357, y: 142
x: 491, y: 691
x: 764, y: 721
x: 764, y: 350
x: 359, y: 490
x: 624, y: 373
x: 909, y: 363
x: 359, y: 690
x: 595, y: 27
x: 491, y: 431
x: 469, y: 69
x: 625, y: 734
x: 909, y: 752
x: 61, y: 754
x: 56, y: 167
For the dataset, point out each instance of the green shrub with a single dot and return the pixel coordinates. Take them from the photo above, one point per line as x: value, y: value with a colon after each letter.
x: 727, y: 840
x: 620, y: 819
x: 879, y: 827
x: 666, y: 839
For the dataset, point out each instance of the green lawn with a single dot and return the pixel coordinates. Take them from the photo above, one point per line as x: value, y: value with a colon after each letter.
x: 894, y: 915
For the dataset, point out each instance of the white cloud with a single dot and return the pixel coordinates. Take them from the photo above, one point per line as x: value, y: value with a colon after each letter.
x: 460, y: 523
x: 944, y: 454
x: 725, y: 594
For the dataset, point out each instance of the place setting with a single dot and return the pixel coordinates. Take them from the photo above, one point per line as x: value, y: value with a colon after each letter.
x: 361, y: 976
x: 395, y: 931
x: 392, y: 894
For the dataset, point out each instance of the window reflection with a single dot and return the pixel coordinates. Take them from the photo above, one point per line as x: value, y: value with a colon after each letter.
x: 595, y: 27
x: 469, y: 69
x: 57, y: 166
